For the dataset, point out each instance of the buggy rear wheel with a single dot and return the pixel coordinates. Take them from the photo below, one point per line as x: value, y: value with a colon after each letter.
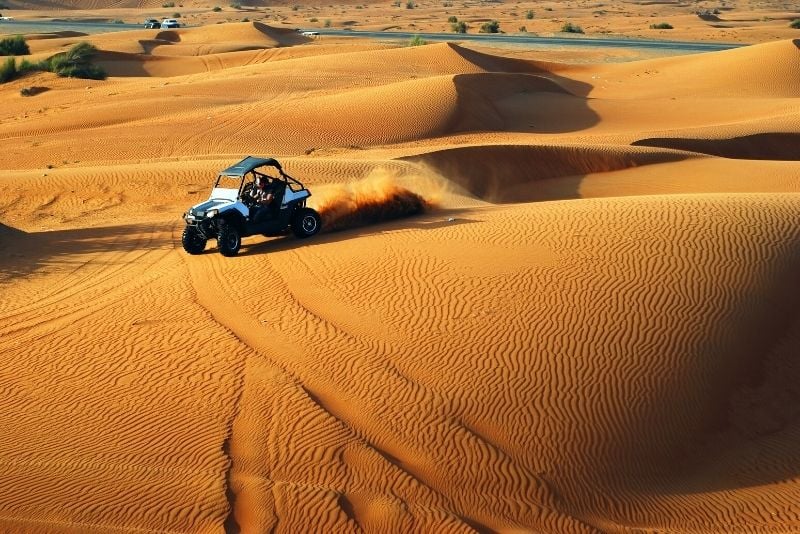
x: 306, y: 222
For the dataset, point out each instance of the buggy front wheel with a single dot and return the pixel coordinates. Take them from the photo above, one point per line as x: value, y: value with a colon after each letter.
x: 193, y: 241
x: 229, y: 240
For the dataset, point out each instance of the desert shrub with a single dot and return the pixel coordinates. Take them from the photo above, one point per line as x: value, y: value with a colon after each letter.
x: 296, y: 7
x: 14, y: 46
x: 118, y: 21
x: 26, y: 66
x: 313, y: 19
x: 246, y: 19
x: 168, y: 4
x: 490, y: 27
x: 569, y: 27
x: 548, y: 9
x: 529, y: 14
x: 452, y: 20
x: 417, y: 41
x: 661, y: 26
x: 216, y: 9
x: 327, y: 23
x: 795, y: 24
x: 236, y: 5
x: 447, y: 4
x: 459, y: 27
x: 176, y: 15
x: 410, y: 4
x: 75, y: 63
x: 8, y: 70
x: 523, y: 29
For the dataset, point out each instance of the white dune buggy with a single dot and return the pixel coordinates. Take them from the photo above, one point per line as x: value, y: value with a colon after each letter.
x: 231, y: 213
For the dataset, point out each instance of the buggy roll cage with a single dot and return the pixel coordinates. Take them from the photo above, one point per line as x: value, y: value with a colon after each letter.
x: 250, y: 164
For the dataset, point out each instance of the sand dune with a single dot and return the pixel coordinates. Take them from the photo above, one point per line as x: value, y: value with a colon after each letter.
x: 562, y: 298
x: 774, y: 146
x: 763, y: 70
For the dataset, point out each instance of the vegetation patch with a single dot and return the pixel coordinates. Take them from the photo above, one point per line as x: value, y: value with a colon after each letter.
x: 569, y: 27
x: 14, y: 46
x: 417, y: 41
x: 490, y: 27
x: 459, y: 27
x: 661, y: 26
x: 74, y: 63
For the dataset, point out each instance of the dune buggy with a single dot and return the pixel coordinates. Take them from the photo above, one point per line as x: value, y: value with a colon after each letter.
x: 231, y: 212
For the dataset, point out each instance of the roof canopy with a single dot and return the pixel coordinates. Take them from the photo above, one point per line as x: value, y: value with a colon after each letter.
x: 248, y: 164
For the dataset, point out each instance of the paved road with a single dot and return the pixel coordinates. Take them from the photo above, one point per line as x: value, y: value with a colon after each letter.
x: 24, y: 26
x: 12, y: 27
x: 524, y: 40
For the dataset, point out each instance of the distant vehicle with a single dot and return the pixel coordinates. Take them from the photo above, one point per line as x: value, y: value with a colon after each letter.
x: 310, y: 34
x: 232, y: 212
x: 152, y: 24
x: 6, y: 18
x: 170, y: 23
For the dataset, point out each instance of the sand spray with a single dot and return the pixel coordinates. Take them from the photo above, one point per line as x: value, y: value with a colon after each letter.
x: 376, y: 198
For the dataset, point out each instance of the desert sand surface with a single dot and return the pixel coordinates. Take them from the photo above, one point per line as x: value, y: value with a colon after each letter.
x: 593, y: 327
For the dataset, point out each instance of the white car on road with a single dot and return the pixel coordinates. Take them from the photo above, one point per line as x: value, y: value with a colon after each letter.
x: 170, y: 23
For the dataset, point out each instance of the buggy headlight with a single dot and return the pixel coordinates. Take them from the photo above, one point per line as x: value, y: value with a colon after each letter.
x: 212, y: 213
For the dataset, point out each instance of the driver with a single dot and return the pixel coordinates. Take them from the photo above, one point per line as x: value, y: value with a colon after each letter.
x: 262, y: 194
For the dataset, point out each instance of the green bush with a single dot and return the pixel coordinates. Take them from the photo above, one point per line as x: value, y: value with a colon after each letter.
x: 216, y: 9
x: 452, y: 19
x: 661, y: 26
x: 529, y: 14
x: 490, y: 27
x: 569, y: 27
x: 14, y: 46
x: 119, y: 21
x: 75, y: 63
x: 459, y: 27
x: 327, y: 23
x: 8, y: 70
x: 26, y: 66
x: 795, y: 24
x: 410, y: 4
x: 417, y: 41
x: 176, y: 15
x: 313, y: 19
x: 523, y: 29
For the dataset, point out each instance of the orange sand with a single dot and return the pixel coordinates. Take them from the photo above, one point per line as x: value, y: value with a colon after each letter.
x: 595, y: 329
